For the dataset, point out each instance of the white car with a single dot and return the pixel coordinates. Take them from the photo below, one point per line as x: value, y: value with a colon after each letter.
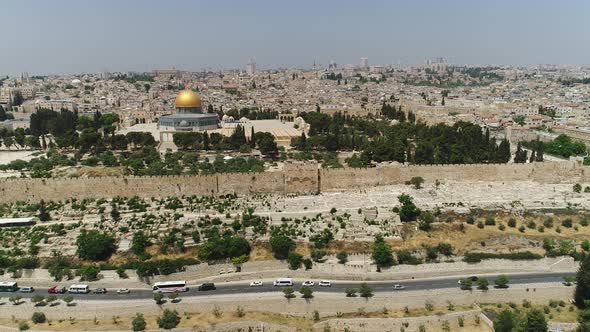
x: 308, y: 283
x: 123, y: 291
x: 325, y: 283
x: 398, y: 287
x: 256, y: 283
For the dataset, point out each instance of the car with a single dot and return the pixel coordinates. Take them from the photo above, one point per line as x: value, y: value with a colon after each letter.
x: 206, y: 286
x: 27, y: 289
x: 308, y: 283
x: 398, y: 287
x: 102, y: 291
x: 256, y: 283
x: 325, y: 283
x: 123, y: 291
x: 56, y: 290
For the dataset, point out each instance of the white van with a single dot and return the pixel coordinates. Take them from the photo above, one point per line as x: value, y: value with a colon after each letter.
x: 79, y: 289
x: 283, y: 282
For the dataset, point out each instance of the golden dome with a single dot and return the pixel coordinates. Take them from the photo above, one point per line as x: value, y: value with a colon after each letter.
x: 188, y: 98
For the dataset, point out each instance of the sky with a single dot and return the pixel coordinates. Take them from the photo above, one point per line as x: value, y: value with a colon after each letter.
x: 74, y: 36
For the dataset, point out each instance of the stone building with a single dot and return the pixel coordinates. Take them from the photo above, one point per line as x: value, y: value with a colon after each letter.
x: 189, y: 115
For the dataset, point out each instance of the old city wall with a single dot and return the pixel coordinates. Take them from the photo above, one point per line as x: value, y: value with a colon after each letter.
x: 293, y: 178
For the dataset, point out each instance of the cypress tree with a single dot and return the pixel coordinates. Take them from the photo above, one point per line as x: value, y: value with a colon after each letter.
x: 582, y: 293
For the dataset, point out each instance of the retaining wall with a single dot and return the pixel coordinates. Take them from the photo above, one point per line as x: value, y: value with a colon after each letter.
x: 293, y: 179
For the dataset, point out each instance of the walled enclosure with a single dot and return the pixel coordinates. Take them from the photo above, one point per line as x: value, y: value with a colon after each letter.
x: 294, y: 179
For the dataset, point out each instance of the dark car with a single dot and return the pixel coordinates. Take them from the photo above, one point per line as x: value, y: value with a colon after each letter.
x: 100, y: 291
x: 207, y: 286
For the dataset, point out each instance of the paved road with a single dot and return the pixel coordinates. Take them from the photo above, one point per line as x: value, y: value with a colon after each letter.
x: 337, y: 287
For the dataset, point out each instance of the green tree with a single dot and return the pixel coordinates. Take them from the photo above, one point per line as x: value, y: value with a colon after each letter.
x: 582, y: 293
x: 342, y: 257
x: 408, y: 210
x: 139, y: 243
x: 169, y: 319
x: 382, y: 254
x: 38, y: 318
x: 501, y: 281
x: 483, y: 284
x: 88, y: 272
x: 281, y: 245
x: 289, y: 292
x: 295, y: 260
x: 95, y: 246
x: 365, y: 291
x: 158, y: 297
x: 505, y: 321
x: 38, y: 300
x: 535, y: 321
x: 43, y: 214
x: 68, y: 299
x: 138, y: 323
x: 306, y: 292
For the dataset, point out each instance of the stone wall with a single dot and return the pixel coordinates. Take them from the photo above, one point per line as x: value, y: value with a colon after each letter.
x: 294, y: 178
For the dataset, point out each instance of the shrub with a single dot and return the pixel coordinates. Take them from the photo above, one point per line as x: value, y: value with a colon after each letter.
x: 342, y: 257
x: 138, y: 323
x: 365, y: 291
x: 95, y: 246
x: 295, y: 260
x: 307, y: 263
x: 480, y: 225
x: 169, y: 319
x: 289, y: 292
x: 38, y: 318
x: 521, y: 229
x: 470, y: 220
x: 307, y: 292
x: 350, y: 292
x: 548, y: 222
x: 490, y: 221
x: 567, y: 223
x: 476, y: 257
x: 531, y: 224
x: 512, y: 222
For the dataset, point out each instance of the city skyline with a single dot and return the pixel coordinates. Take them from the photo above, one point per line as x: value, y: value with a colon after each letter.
x: 142, y: 36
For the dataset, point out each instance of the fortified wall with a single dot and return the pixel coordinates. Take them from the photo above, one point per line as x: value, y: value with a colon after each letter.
x: 293, y: 179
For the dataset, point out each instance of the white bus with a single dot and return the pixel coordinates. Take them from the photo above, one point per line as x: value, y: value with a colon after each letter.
x: 283, y: 282
x: 79, y: 289
x: 170, y: 287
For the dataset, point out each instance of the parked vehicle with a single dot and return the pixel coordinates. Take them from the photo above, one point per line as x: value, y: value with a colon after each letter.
x: 56, y: 290
x: 170, y: 287
x: 27, y: 289
x: 123, y: 291
x: 79, y: 289
x: 8, y: 286
x: 283, y: 282
x: 206, y: 286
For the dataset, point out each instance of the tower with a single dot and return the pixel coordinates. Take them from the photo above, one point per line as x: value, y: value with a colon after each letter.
x: 251, y: 67
x: 364, y: 63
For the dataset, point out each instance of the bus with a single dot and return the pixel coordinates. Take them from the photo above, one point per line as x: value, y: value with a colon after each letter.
x: 8, y: 286
x: 79, y: 289
x: 170, y: 287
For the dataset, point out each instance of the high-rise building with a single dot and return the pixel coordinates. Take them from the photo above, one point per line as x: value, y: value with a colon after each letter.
x: 364, y: 63
x: 251, y: 67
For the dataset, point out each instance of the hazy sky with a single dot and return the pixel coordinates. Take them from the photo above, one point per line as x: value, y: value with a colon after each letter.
x: 70, y: 36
